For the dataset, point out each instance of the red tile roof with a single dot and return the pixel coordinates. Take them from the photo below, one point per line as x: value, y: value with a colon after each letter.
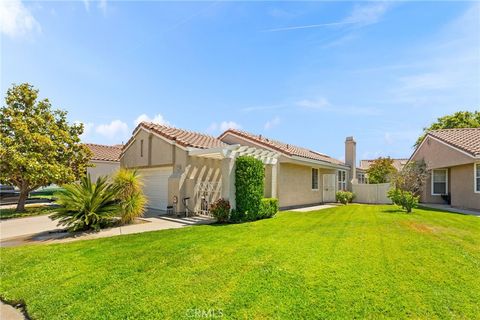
x: 105, y: 153
x: 466, y: 139
x: 285, y: 148
x: 183, y: 137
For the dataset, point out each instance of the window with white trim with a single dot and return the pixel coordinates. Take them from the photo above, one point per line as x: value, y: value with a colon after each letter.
x: 477, y: 177
x: 439, y: 182
x: 342, y: 180
x: 314, y: 179
x: 361, y: 178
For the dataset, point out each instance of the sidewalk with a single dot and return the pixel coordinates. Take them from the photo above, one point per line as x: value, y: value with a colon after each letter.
x: 41, y: 230
x: 446, y: 207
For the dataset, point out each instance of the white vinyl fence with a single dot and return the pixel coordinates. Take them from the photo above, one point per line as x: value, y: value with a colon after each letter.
x: 371, y: 193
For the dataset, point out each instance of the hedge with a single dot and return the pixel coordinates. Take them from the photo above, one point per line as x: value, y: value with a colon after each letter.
x: 268, y: 208
x: 249, y: 186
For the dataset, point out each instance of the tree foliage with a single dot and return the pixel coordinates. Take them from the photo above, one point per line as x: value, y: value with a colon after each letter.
x: 381, y: 171
x: 412, y: 177
x: 38, y: 146
x: 460, y: 119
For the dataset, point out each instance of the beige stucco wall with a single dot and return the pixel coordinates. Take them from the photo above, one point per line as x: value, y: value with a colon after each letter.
x: 462, y: 183
x: 460, y: 173
x: 295, y: 185
x: 102, y: 168
x: 438, y: 155
x: 156, y: 152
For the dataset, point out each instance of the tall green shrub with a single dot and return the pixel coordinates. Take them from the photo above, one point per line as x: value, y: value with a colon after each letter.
x: 249, y: 185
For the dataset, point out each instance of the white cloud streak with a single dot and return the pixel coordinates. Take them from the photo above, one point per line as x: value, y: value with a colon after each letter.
x: 16, y: 20
x: 272, y: 123
x: 361, y: 15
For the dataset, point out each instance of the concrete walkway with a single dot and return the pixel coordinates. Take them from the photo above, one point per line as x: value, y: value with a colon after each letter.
x: 41, y: 229
x: 450, y: 209
x: 7, y: 312
x: 313, y: 208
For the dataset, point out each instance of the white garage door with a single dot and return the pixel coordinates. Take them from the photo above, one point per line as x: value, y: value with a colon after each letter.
x: 155, y: 187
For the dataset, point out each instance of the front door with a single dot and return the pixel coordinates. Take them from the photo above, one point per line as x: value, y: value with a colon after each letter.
x: 329, y: 188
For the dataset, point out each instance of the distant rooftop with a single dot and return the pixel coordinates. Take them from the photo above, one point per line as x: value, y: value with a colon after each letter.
x: 104, y: 152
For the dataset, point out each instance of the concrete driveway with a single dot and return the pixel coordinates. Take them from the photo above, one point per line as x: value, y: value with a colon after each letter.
x: 41, y: 229
x: 18, y: 227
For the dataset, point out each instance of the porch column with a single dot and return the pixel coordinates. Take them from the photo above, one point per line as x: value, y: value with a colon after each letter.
x: 228, y: 180
x: 272, y: 182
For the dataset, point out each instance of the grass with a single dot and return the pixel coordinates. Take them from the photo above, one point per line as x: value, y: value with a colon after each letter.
x: 347, y: 262
x: 30, y: 210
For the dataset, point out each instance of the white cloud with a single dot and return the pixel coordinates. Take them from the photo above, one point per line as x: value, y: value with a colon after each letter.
x: 361, y: 15
x: 448, y: 72
x: 371, y: 13
x: 158, y: 119
x: 102, y: 5
x: 115, y: 129
x: 223, y: 126
x: 86, y: 3
x: 272, y: 123
x: 16, y: 20
x: 318, y: 103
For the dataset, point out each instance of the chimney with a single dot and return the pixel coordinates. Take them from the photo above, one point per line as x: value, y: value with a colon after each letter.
x: 351, y: 160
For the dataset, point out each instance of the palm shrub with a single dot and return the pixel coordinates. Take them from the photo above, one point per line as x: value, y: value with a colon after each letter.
x: 86, y: 205
x: 131, y: 199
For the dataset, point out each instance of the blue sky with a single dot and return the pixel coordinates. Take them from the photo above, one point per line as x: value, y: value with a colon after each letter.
x: 306, y: 73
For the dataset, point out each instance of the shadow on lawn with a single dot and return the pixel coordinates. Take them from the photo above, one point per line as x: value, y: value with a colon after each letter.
x: 394, y: 210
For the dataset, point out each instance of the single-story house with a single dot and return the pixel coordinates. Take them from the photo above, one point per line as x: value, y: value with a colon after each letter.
x: 397, y: 163
x: 190, y: 170
x: 105, y: 160
x: 452, y: 157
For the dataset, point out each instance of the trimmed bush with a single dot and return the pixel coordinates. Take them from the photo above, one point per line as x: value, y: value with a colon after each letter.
x: 249, y: 185
x: 220, y: 209
x: 345, y: 197
x: 268, y: 208
x: 404, y: 199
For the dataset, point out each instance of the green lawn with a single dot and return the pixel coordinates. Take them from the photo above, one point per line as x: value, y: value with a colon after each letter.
x: 346, y: 262
x: 30, y: 210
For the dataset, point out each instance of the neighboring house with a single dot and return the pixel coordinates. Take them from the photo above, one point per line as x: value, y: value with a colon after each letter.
x: 177, y: 164
x: 105, y: 160
x: 397, y: 163
x: 452, y: 157
x: 366, y: 163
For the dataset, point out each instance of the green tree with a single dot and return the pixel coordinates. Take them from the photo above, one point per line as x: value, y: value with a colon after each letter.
x: 460, y: 119
x: 38, y: 147
x: 381, y: 171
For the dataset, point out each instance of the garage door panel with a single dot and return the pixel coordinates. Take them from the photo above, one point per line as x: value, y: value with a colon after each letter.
x: 155, y: 186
